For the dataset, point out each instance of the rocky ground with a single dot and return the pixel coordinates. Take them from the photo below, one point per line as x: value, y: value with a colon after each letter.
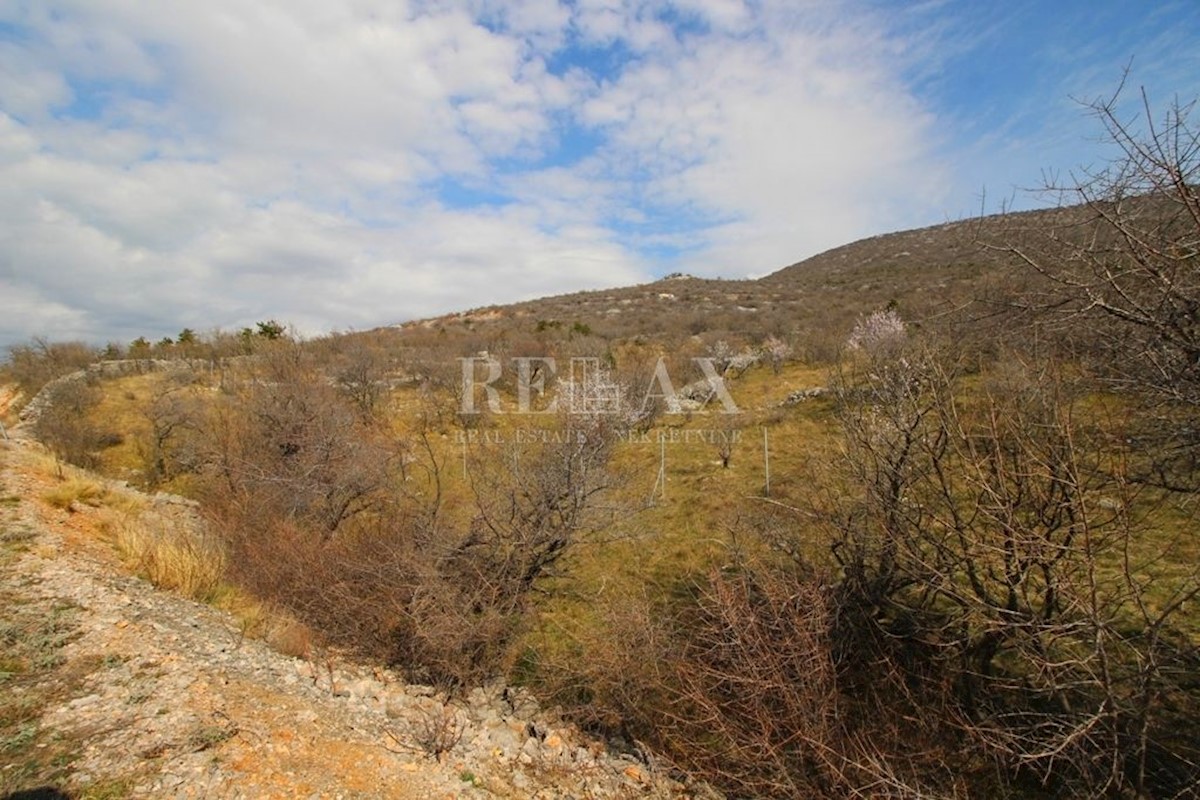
x: 112, y: 688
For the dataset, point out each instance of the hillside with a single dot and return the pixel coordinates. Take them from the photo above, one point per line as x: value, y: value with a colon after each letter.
x: 110, y: 688
x: 936, y: 545
x: 927, y: 272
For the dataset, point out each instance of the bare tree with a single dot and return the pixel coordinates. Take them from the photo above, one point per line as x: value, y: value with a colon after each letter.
x: 173, y: 411
x: 999, y: 558
x: 64, y: 423
x: 725, y: 438
x: 533, y: 503
x: 1120, y: 271
x: 288, y: 439
x: 361, y: 375
x: 32, y: 366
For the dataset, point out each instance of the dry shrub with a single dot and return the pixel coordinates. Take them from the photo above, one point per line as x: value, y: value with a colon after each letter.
x: 438, y: 730
x: 64, y: 424
x: 288, y: 635
x: 758, y: 702
x: 260, y: 619
x: 452, y: 634
x: 325, y: 514
x: 172, y: 556
x: 737, y: 681
x: 375, y: 593
x: 756, y: 706
x: 285, y: 445
x: 31, y: 366
x: 995, y: 585
x: 608, y: 666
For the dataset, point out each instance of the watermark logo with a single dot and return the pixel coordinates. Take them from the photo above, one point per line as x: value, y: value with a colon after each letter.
x: 587, y: 388
x: 719, y: 438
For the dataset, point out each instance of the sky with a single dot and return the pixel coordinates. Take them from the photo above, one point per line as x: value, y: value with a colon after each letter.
x: 344, y: 164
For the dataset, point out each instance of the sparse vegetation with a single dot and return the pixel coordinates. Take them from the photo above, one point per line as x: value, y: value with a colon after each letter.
x: 31, y: 366
x: 32, y: 676
x: 66, y: 425
x: 973, y: 575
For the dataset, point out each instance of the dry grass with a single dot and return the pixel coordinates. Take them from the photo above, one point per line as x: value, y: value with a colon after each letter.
x: 266, y: 621
x: 168, y: 551
x: 77, y: 490
x: 288, y: 635
x: 190, y: 562
x: 74, y: 492
x: 121, y: 408
x: 10, y: 398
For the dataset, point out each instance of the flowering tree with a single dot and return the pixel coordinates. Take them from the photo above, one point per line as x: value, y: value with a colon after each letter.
x: 879, y: 332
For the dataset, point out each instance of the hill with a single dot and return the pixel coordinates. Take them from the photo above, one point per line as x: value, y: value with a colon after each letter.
x: 923, y: 273
x: 936, y: 546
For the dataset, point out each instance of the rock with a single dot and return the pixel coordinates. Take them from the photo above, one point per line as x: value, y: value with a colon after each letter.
x: 165, y: 499
x: 802, y: 395
x: 505, y: 740
x: 397, y: 705
x: 531, y: 750
x: 636, y: 774
x: 366, y: 689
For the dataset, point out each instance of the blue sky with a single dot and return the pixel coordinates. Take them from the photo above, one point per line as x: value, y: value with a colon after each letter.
x: 342, y: 164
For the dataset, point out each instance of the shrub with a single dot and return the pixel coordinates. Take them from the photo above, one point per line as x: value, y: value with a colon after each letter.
x: 32, y: 366
x: 64, y: 424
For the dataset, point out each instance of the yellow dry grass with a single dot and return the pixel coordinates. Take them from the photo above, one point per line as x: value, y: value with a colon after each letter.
x: 74, y: 488
x: 10, y: 397
x: 261, y: 620
x: 73, y: 492
x: 189, y: 562
x: 122, y: 408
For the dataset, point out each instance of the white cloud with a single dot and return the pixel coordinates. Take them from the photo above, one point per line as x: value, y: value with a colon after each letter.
x: 729, y: 16
x: 224, y: 162
x: 26, y: 89
x: 798, y: 138
x: 176, y: 164
x: 112, y: 252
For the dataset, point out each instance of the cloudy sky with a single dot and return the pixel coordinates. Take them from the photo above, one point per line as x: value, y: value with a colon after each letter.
x: 342, y: 164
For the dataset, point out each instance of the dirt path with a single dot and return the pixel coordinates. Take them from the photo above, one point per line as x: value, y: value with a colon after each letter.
x: 111, y: 688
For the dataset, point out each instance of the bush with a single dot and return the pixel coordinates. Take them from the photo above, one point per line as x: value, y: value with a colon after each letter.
x: 32, y: 366
x: 64, y: 424
x: 327, y: 515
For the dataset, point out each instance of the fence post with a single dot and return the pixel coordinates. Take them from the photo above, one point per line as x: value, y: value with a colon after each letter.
x: 766, y: 463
